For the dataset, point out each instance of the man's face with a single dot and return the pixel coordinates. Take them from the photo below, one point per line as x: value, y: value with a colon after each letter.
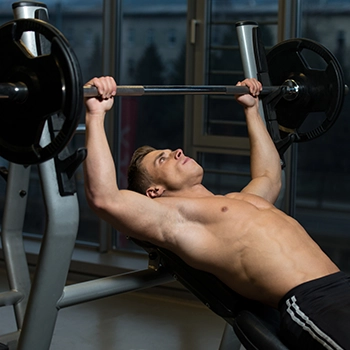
x: 172, y: 169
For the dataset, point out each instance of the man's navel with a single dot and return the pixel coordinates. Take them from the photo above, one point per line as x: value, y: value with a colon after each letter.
x: 224, y: 209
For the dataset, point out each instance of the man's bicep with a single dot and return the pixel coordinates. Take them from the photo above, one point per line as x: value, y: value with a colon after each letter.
x: 135, y: 215
x: 262, y: 187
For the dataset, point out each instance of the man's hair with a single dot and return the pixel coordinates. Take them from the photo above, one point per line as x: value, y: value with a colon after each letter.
x: 138, y: 178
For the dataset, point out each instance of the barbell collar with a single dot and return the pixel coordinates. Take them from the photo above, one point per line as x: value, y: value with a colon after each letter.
x: 17, y: 92
x: 292, y: 88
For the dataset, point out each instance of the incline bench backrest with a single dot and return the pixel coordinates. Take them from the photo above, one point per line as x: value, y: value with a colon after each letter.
x: 255, y: 325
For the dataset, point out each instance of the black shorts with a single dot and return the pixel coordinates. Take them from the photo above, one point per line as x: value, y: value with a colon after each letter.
x: 316, y: 314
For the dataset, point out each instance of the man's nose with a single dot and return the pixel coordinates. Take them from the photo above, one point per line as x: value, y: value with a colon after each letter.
x: 178, y: 153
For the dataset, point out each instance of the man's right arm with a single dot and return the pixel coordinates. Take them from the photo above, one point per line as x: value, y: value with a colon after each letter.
x: 99, y: 170
x: 265, y: 161
x: 131, y: 213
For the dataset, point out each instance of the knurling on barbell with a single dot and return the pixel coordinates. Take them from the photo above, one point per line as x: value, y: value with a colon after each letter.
x: 34, y: 89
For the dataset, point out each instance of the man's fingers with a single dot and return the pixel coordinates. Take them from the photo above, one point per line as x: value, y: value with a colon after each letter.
x: 106, y: 86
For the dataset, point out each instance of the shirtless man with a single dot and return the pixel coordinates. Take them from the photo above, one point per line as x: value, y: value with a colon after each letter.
x: 242, y: 238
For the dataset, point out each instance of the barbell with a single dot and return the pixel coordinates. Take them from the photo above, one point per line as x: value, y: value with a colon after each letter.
x: 37, y: 88
x: 19, y: 92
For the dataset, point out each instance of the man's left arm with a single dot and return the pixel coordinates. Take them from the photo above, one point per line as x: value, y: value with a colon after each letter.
x: 265, y: 164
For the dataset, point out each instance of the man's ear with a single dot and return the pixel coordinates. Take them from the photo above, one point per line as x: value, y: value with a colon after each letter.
x: 155, y: 191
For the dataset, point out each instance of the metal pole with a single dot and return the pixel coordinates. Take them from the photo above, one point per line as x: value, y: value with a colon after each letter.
x: 246, y: 45
x: 112, y: 285
x: 12, y: 236
x: 250, y: 67
x: 53, y: 261
x: 289, y: 26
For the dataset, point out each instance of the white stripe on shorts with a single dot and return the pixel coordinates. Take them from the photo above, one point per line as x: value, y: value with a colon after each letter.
x: 303, y: 321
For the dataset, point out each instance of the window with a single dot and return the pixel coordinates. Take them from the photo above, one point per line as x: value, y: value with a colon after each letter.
x: 150, y: 36
x: 219, y: 122
x: 225, y: 173
x: 131, y: 36
x: 224, y: 117
x: 153, y: 120
x: 70, y: 35
x: 172, y: 37
x: 131, y: 67
x: 323, y: 191
x: 88, y: 37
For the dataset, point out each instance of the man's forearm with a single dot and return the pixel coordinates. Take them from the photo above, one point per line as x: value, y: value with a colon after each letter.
x: 99, y: 168
x: 265, y: 160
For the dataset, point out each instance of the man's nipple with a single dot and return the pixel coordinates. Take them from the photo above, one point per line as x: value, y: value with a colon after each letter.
x: 224, y: 209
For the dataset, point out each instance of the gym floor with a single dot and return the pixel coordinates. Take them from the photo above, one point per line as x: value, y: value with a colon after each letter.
x: 133, y: 321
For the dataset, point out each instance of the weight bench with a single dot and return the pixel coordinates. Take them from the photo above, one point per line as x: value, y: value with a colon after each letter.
x: 256, y: 325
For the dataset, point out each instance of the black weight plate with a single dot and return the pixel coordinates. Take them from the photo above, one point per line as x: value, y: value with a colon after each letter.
x: 322, y: 88
x: 55, y: 88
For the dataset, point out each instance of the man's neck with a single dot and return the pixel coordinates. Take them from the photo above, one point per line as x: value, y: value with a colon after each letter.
x: 195, y: 191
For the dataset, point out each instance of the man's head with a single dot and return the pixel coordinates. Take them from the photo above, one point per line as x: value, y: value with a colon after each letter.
x: 155, y: 172
x: 138, y: 178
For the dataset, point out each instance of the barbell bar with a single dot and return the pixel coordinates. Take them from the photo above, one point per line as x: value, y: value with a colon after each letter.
x: 139, y: 90
x: 18, y: 92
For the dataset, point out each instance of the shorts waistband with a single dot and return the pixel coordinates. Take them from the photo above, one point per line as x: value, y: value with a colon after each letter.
x: 318, y: 282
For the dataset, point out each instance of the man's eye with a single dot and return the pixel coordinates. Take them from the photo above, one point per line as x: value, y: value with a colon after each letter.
x: 161, y: 159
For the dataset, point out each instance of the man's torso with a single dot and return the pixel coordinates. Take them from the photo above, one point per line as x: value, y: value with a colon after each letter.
x: 246, y: 242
